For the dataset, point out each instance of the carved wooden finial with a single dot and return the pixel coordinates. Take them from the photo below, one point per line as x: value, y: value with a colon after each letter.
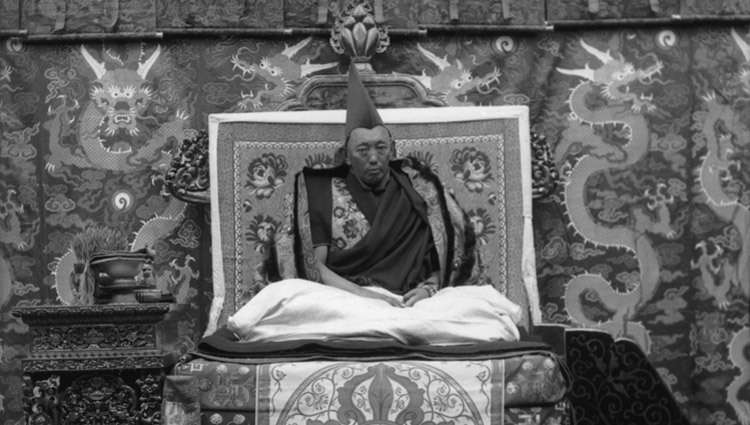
x: 357, y: 34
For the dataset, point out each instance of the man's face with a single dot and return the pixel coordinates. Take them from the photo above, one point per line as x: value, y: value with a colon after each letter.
x: 369, y: 151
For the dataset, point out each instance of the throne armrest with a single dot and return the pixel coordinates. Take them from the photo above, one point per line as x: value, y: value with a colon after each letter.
x: 553, y: 335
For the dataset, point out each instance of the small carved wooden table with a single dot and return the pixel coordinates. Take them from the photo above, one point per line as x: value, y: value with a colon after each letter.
x: 97, y: 364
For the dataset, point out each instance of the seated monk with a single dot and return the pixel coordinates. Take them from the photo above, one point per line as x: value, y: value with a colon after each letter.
x: 393, y: 250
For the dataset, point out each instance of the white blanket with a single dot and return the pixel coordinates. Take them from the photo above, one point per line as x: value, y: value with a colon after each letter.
x: 299, y: 309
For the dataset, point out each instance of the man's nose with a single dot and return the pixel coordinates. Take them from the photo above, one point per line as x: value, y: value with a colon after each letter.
x: 373, y: 157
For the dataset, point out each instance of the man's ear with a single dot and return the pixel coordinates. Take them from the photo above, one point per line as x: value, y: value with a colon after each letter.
x: 345, y: 154
x: 339, y: 156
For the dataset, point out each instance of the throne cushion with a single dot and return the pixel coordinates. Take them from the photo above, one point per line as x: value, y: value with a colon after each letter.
x: 481, y: 153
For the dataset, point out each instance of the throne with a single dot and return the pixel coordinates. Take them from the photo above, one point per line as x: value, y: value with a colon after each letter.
x: 484, y: 155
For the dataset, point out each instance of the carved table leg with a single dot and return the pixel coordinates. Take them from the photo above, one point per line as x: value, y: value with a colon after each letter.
x: 150, y: 398
x: 41, y: 400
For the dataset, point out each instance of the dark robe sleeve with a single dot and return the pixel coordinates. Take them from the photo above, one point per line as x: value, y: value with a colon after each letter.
x: 430, y: 264
x: 319, y: 199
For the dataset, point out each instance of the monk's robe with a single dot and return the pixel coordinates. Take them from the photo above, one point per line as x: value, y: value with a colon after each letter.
x: 376, y: 236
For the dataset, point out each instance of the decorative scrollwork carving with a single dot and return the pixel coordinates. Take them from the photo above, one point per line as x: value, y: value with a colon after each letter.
x: 187, y: 178
x: 545, y: 177
x: 107, y: 361
x: 98, y: 399
x: 41, y: 400
x: 185, y: 358
x: 114, y: 314
x: 149, y: 402
x: 93, y: 337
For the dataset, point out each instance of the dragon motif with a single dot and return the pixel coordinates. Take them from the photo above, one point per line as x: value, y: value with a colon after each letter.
x: 738, y: 350
x: 454, y: 82
x: 744, y: 75
x: 713, y: 174
x: 8, y: 114
x: 6, y: 273
x: 725, y: 134
x: 709, y: 265
x: 178, y: 282
x: 12, y: 234
x: 610, y: 81
x: 614, y: 77
x: 115, y: 130
x: 176, y: 278
x: 278, y: 72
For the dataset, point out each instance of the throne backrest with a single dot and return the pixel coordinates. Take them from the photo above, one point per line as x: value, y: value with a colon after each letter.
x: 481, y: 153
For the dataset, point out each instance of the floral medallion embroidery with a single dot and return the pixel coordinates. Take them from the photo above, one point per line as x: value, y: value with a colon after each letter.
x: 338, y: 243
x: 427, y: 159
x: 483, y: 225
x: 205, y: 384
x: 261, y: 231
x: 351, y: 229
x: 348, y: 224
x: 382, y: 394
x: 265, y: 174
x: 472, y: 168
x: 319, y: 160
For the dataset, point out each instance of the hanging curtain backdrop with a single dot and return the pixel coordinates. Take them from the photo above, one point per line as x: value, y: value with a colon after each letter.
x: 647, y: 239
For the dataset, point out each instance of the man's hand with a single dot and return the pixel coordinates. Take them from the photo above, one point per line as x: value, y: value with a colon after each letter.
x: 395, y: 302
x: 332, y: 279
x: 414, y: 296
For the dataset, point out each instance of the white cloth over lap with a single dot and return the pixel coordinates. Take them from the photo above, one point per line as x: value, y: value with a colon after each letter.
x: 296, y: 309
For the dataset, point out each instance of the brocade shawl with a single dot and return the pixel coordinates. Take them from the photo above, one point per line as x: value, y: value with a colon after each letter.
x: 384, y: 241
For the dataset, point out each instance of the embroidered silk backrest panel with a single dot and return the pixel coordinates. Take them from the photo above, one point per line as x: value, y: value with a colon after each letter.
x: 481, y: 154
